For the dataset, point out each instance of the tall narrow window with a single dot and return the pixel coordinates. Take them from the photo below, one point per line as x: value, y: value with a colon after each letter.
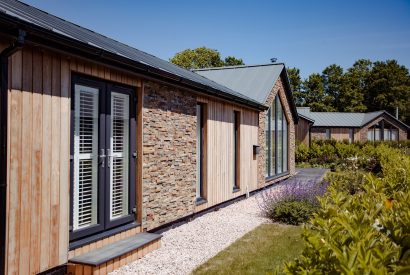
x: 394, y: 135
x: 285, y: 143
x: 103, y: 168
x: 236, y: 150
x: 267, y: 143
x: 328, y: 133
x: 273, y: 128
x: 351, y: 135
x: 277, y: 136
x: 200, y: 150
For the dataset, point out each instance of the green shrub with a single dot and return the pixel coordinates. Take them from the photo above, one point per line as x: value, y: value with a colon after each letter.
x: 345, y: 156
x: 367, y: 232
x: 292, y: 212
x: 348, y: 182
x: 302, y: 153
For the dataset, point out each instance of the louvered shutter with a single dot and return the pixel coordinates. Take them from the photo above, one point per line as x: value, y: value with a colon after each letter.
x: 85, y: 157
x: 119, y: 156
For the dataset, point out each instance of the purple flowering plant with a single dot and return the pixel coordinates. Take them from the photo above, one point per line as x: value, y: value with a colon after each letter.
x: 292, y: 190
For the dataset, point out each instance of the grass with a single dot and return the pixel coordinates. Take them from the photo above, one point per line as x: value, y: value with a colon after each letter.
x: 261, y: 251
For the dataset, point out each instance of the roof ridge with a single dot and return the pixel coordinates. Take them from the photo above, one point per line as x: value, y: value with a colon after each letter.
x: 237, y: 66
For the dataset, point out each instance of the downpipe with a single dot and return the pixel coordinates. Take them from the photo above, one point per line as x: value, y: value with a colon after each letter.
x: 4, y: 63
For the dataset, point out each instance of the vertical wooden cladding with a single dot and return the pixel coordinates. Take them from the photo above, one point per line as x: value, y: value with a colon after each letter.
x: 302, y: 131
x: 340, y: 134
x: 220, y: 156
x: 39, y: 156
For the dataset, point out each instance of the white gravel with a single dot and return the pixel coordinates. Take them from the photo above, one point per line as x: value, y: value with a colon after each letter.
x: 191, y: 244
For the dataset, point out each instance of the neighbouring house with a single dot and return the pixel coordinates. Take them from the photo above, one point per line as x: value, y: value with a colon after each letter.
x: 371, y: 126
x: 103, y: 144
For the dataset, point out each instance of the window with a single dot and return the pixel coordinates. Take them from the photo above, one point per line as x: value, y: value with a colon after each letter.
x: 236, y: 149
x: 276, y: 131
x: 103, y: 163
x: 351, y: 135
x: 328, y: 134
x: 394, y: 135
x: 200, y: 150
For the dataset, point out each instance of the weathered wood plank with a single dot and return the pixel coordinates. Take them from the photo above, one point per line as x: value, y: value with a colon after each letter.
x: 46, y: 166
x: 26, y: 132
x: 36, y: 161
x: 55, y: 160
x: 64, y: 199
x: 14, y: 187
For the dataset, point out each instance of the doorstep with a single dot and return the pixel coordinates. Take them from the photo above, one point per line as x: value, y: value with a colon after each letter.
x: 112, y: 256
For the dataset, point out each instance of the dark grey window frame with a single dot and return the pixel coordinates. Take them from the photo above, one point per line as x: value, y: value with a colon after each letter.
x: 237, y: 142
x: 202, y: 192
x: 284, y: 120
x: 104, y: 224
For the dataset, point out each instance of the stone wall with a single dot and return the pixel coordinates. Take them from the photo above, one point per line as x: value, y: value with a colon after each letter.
x: 169, y: 156
x: 279, y: 88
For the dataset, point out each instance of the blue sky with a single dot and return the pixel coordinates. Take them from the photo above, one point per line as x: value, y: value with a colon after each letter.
x: 308, y: 35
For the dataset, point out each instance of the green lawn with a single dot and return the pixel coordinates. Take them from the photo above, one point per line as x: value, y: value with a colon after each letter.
x: 261, y: 251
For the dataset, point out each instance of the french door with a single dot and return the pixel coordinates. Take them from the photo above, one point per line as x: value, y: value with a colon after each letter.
x: 102, y: 157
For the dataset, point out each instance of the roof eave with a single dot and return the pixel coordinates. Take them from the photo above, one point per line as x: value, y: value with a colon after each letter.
x: 53, y: 40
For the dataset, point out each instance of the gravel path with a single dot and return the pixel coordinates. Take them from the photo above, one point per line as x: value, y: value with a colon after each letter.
x: 191, y: 244
x: 187, y: 246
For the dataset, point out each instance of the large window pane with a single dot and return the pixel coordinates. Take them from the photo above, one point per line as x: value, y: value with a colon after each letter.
x: 267, y: 143
x: 199, y: 150
x: 272, y: 140
x: 394, y: 135
x: 370, y: 134
x: 376, y: 134
x: 285, y: 143
x: 279, y: 139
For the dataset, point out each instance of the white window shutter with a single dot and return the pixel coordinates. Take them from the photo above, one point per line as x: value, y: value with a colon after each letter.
x: 85, y: 157
x: 119, y: 156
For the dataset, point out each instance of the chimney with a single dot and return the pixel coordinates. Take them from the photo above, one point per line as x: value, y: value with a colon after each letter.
x: 397, y: 112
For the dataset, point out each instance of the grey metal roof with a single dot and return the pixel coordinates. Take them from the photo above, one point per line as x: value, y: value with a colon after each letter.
x: 253, y: 81
x: 338, y: 119
x: 31, y: 15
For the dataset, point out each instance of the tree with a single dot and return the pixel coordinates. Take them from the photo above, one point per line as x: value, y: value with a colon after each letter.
x: 355, y: 86
x: 332, y: 77
x: 315, y: 95
x: 203, y: 57
x: 388, y: 88
x: 233, y: 61
x: 296, y: 85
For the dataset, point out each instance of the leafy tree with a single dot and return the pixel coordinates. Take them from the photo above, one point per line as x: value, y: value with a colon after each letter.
x: 233, y: 61
x: 203, y: 57
x: 355, y: 85
x: 296, y: 85
x: 315, y: 94
x: 389, y: 87
x: 332, y: 77
x: 366, y: 86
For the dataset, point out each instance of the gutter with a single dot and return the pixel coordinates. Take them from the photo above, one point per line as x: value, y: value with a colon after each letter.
x: 4, y: 57
x: 60, y: 43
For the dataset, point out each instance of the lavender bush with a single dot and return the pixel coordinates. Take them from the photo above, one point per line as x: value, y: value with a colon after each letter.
x: 292, y: 202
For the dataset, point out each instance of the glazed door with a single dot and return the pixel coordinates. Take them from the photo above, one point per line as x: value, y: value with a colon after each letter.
x: 103, y: 157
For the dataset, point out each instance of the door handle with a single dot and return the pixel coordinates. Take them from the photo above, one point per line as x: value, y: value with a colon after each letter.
x: 109, y: 156
x: 102, y: 158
